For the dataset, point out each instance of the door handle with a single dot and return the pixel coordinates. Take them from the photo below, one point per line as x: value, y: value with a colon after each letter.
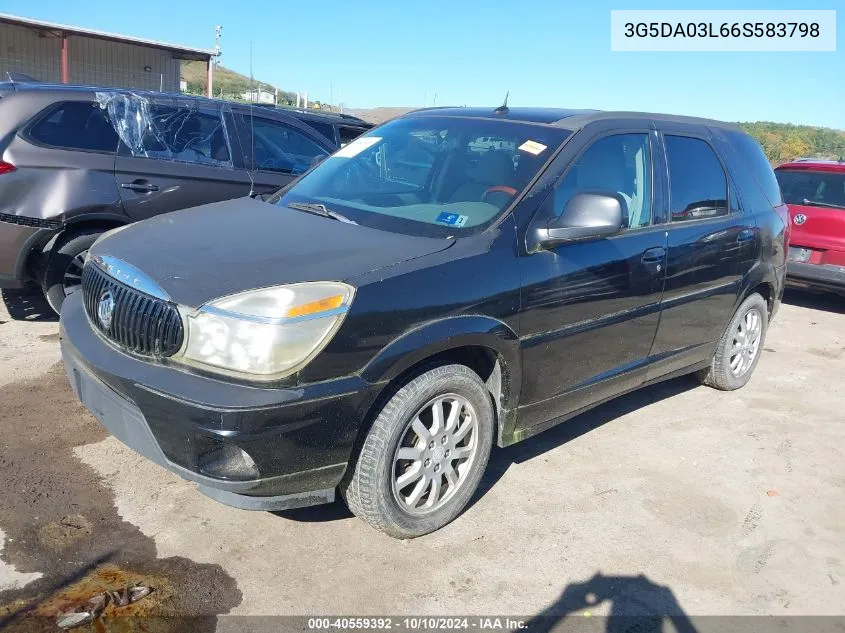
x: 654, y: 255
x: 141, y: 186
x: 744, y: 235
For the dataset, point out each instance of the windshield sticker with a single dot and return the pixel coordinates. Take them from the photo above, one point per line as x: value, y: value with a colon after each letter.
x: 452, y: 219
x: 532, y: 147
x: 357, y: 146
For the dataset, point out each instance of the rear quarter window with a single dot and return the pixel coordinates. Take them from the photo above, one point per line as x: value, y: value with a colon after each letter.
x: 754, y: 160
x: 75, y: 125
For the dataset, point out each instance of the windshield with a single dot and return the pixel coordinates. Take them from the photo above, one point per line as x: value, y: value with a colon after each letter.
x: 825, y: 188
x: 430, y: 176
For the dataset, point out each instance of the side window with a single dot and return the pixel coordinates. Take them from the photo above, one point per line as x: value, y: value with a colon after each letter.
x: 279, y: 147
x: 326, y: 129
x: 76, y: 125
x: 754, y: 156
x: 618, y: 164
x: 348, y: 134
x: 183, y: 134
x: 698, y: 187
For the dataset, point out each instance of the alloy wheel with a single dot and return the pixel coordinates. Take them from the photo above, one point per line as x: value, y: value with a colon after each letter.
x: 435, y: 454
x: 72, y: 279
x: 746, y: 342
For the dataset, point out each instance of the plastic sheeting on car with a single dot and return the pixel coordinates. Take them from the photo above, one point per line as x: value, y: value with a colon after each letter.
x: 169, y: 127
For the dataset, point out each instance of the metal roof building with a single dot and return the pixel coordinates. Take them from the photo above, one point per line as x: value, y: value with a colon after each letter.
x: 58, y: 53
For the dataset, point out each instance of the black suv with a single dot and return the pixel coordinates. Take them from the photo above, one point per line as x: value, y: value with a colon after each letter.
x: 75, y: 162
x: 453, y: 278
x: 338, y: 128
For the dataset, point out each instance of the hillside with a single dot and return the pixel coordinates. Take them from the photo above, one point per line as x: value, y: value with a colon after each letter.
x: 786, y: 141
x: 228, y: 84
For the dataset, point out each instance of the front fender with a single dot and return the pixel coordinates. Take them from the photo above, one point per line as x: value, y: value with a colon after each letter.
x: 450, y: 333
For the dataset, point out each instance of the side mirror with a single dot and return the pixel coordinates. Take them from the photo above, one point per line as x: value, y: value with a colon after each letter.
x: 586, y: 216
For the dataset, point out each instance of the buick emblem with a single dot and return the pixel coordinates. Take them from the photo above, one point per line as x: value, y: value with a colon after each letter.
x: 799, y: 219
x: 105, y: 309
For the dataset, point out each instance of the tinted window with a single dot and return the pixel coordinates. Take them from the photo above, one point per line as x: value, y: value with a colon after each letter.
x: 619, y: 164
x: 279, y: 147
x: 698, y: 187
x: 427, y: 175
x: 812, y: 187
x: 326, y: 129
x: 348, y: 134
x: 76, y: 125
x: 184, y: 134
x: 755, y: 159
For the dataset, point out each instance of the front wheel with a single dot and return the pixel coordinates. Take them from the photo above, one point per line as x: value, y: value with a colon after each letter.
x: 738, y: 351
x: 63, y: 274
x: 425, y: 454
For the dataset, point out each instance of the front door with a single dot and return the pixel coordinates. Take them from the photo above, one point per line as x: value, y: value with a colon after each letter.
x: 183, y: 158
x: 590, y: 309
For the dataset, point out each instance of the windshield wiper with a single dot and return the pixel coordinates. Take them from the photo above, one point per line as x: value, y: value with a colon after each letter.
x: 321, y: 210
x: 816, y: 203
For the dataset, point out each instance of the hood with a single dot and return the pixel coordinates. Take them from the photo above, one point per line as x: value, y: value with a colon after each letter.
x: 207, y: 252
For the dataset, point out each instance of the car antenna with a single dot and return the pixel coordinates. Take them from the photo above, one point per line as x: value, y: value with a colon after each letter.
x: 503, y: 109
x: 251, y: 124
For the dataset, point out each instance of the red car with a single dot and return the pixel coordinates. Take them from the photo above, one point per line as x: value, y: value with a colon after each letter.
x: 814, y: 191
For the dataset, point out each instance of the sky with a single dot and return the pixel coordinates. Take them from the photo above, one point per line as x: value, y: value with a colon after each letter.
x: 373, y: 53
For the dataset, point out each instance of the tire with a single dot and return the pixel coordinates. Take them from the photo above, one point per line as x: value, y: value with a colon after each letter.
x: 368, y: 488
x: 720, y: 374
x: 59, y: 261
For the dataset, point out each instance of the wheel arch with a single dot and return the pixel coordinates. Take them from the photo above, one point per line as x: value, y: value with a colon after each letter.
x: 484, y: 344
x: 761, y: 279
x: 37, y: 260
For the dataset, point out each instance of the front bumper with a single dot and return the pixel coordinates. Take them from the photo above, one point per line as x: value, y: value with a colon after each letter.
x: 300, y: 439
x: 820, y: 276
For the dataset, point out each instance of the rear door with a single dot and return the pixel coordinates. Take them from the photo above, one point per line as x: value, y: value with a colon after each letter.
x: 278, y: 149
x: 182, y: 158
x: 710, y: 242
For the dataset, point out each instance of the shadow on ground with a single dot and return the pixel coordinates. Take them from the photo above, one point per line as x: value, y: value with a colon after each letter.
x: 827, y: 301
x: 59, y: 519
x: 635, y: 604
x: 27, y: 304
x: 502, y: 458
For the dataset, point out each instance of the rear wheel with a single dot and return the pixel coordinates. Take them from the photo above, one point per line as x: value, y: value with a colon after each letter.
x: 738, y: 351
x: 63, y: 274
x: 425, y: 454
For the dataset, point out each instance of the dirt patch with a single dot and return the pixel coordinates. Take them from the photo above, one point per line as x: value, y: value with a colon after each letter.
x: 60, y: 534
x: 50, y: 338
x: 59, y: 519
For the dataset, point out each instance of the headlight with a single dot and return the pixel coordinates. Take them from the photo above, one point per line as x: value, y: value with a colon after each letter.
x: 267, y: 333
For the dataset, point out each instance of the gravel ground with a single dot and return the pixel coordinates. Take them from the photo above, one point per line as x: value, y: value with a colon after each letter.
x: 675, y: 498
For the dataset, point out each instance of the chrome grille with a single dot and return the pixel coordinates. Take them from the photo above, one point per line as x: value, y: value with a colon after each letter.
x: 140, y: 323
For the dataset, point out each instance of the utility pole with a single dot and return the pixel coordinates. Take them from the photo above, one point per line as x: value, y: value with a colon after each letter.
x: 214, y: 60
